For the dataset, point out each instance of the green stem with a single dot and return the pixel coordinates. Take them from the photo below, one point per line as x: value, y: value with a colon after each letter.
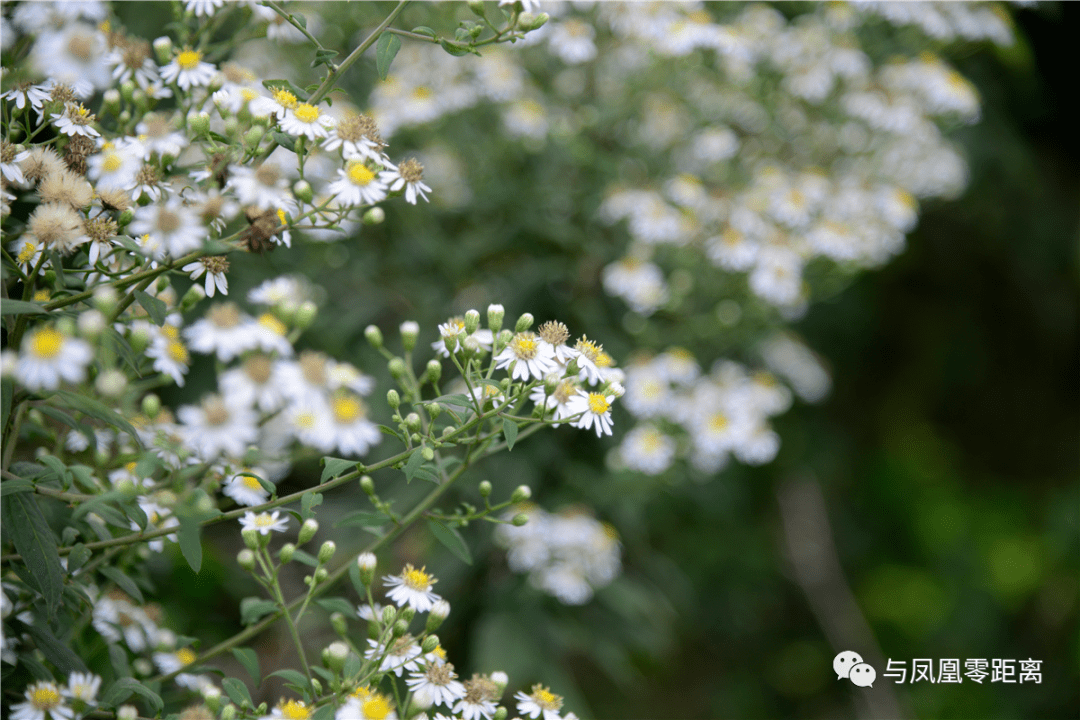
x: 332, y: 78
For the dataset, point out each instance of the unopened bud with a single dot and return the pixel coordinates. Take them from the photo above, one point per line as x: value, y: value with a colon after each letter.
x: 125, y: 712
x: 365, y: 563
x: 199, y: 124
x: 305, y: 314
x: 374, y: 336
x: 367, y: 485
x: 212, y: 697
x: 400, y: 628
x: 111, y: 383
x: 495, y: 314
x: 229, y: 712
x: 127, y: 90
x: 111, y: 101
x: 407, y: 613
x: 125, y: 219
x: 396, y: 366
x: 151, y: 405
x: 430, y: 643
x: 339, y: 623
x: 477, y: 6
x: 521, y: 494
x: 251, y: 538
x: 326, y: 552
x: 520, y: 519
x: 485, y: 488
x: 254, y: 136
x: 316, y: 686
x: 246, y: 559
x: 433, y: 370
x: 232, y: 126
x: 308, y: 530
x: 448, y: 430
x: 427, y: 453
x: 529, y: 21
x: 434, y: 410
x: 163, y: 50
x: 336, y: 654
x: 286, y: 553
x: 388, y: 614
x: 393, y: 399
x: 302, y: 190
x: 409, y: 332
x: 321, y: 574
x: 412, y: 422
x: 500, y: 713
x: 105, y: 299
x: 374, y: 216
x: 472, y: 321
x: 524, y: 322
x: 192, y: 297
x: 439, y: 612
x: 500, y: 679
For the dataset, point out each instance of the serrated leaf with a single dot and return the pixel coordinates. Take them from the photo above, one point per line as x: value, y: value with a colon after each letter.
x: 333, y: 466
x: 415, y: 460
x: 250, y: 661
x: 98, y: 410
x: 190, y: 543
x: 21, y: 307
x: 336, y: 604
x: 237, y: 691
x: 425, y: 30
x: 307, y: 501
x: 58, y: 653
x: 452, y: 539
x: 123, y: 688
x: 386, y: 48
x: 510, y: 432
x: 361, y: 518
x: 252, y: 609
x: 35, y: 542
x: 154, y: 307
x: 290, y: 676
x: 123, y: 582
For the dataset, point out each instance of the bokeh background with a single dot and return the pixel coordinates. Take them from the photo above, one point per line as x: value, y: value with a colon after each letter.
x: 945, y: 458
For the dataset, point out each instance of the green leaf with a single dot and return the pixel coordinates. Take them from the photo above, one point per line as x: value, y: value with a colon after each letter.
x: 58, y: 653
x: 21, y: 307
x: 98, y: 410
x: 452, y: 539
x: 415, y: 460
x: 425, y: 30
x: 354, y: 576
x: 453, y: 48
x: 123, y: 688
x: 336, y: 604
x: 252, y: 609
x: 147, y: 465
x: 7, y: 394
x: 459, y: 400
x: 237, y: 692
x: 306, y: 558
x: 15, y: 485
x: 77, y: 557
x: 190, y: 544
x: 361, y: 518
x: 123, y: 582
x: 300, y: 19
x: 332, y: 467
x: 273, y: 84
x: 285, y: 141
x: 425, y: 474
x: 307, y: 501
x: 291, y: 676
x: 63, y: 417
x: 154, y: 307
x: 35, y: 542
x: 510, y: 431
x: 250, y: 661
x: 389, y: 431
x: 324, y: 713
x: 385, y: 50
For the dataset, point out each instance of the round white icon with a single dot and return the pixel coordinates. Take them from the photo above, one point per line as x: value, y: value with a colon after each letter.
x: 863, y: 675
x: 843, y: 663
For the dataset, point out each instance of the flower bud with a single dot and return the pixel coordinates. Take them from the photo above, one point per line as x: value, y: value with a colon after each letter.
x: 500, y: 679
x: 485, y: 488
x: 232, y: 126
x: 374, y: 216
x: 111, y: 101
x: 316, y: 686
x: 127, y: 91
x: 326, y: 552
x: 305, y: 314
x: 308, y: 530
x: 151, y: 405
x: 439, y: 612
x: 520, y: 519
x: 111, y: 383
x: 212, y: 697
x: 500, y: 713
x: 529, y: 21
x: 396, y: 366
x: 472, y: 321
x: 400, y: 628
x: 433, y: 370
x: 367, y: 485
x: 409, y: 331
x: 91, y: 323
x: 477, y: 6
x: 434, y: 410
x: 422, y: 699
x: 302, y: 189
x: 163, y: 50
x: 407, y: 614
x: 365, y: 563
x: 393, y: 399
x: 388, y: 614
x: 495, y: 314
x: 412, y: 422
x: 430, y: 643
x: 427, y: 453
x: 125, y: 219
x: 253, y: 137
x: 246, y: 559
x: 199, y: 124
x: 339, y: 623
x: 192, y: 296
x: 336, y: 654
x: 127, y: 712
x: 521, y: 494
x: 374, y: 336
x: 321, y: 574
x: 229, y: 712
x: 448, y: 430
x: 251, y: 538
x: 286, y: 553
x: 524, y: 322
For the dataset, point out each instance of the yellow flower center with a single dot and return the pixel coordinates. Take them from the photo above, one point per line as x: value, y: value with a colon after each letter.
x: 598, y: 404
x: 45, y: 697
x: 651, y: 440
x: 268, y: 321
x: 306, y: 113
x: 718, y: 422
x: 362, y: 693
x: 604, y: 360
x: 47, y: 343
x: 294, y: 710
x: 377, y: 708
x: 265, y: 520
x: 545, y: 698
x: 524, y: 346
x: 346, y: 409
x: 305, y: 420
x: 27, y: 252
x: 588, y: 348
x: 177, y: 352
x: 189, y: 59
x: 285, y: 99
x: 185, y: 655
x: 422, y: 93
x: 112, y: 163
x: 250, y: 482
x: 42, y: 295
x: 170, y: 331
x: 359, y: 174
x: 281, y: 217
x: 416, y: 579
x: 248, y: 94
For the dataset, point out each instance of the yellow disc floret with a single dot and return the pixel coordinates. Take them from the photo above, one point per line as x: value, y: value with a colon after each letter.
x: 186, y: 655
x: 294, y: 710
x: 47, y: 343
x: 416, y: 579
x: 45, y: 696
x: 285, y: 99
x: 598, y: 404
x: 347, y: 409
x: 359, y: 174
x: 188, y: 59
x: 306, y: 113
x: 376, y: 708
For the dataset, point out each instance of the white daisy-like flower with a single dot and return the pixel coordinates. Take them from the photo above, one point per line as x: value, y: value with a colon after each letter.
x: 203, y: 7
x: 306, y: 120
x: 481, y: 692
x: 173, y: 226
x: 47, y: 357
x: 170, y: 662
x: 214, y: 267
x: 540, y: 701
x: 595, y: 409
x: 436, y: 685
x: 43, y: 700
x: 156, y: 134
x: 270, y: 335
x: 113, y: 166
x: 264, y: 522
x: 26, y: 250
x: 9, y: 162
x: 308, y: 420
x: 451, y: 329
x: 530, y: 357
x: 246, y: 490
x: 277, y: 104
x: 353, y: 433
x: 131, y: 60
x: 358, y: 137
x: 73, y: 54
x: 358, y: 185
x: 409, y: 176
x: 558, y: 399
x: 169, y: 354
x: 287, y: 291
x: 402, y: 655
x: 187, y: 70
x: 367, y: 705
x: 412, y: 588
x: 265, y: 187
x: 258, y: 383
x: 83, y: 687
x: 589, y: 357
x: 224, y: 330
x: 76, y: 120
x: 26, y: 93
x: 647, y: 450
x: 214, y: 428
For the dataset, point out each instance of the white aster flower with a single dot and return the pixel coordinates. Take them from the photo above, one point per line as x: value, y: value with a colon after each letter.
x: 188, y: 70
x: 277, y: 104
x: 224, y: 331
x: 203, y: 7
x: 214, y: 267
x: 43, y: 700
x: 358, y: 185
x: 114, y: 166
x: 83, y: 687
x: 409, y: 176
x: 246, y: 490
x: 173, y: 227
x: 47, y: 356
x: 76, y: 120
x: 306, y: 120
x: 436, y: 685
x: 265, y: 187
x: 595, y: 408
x: 540, y: 701
x: 412, y: 588
x: 264, y: 522
x: 27, y: 93
x: 214, y: 428
x: 530, y: 357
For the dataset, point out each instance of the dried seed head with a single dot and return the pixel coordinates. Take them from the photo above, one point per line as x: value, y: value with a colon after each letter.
x: 115, y: 199
x: 100, y: 229
x: 554, y: 333
x: 61, y: 93
x: 411, y: 170
x: 41, y: 163
x: 64, y: 186
x: 58, y: 226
